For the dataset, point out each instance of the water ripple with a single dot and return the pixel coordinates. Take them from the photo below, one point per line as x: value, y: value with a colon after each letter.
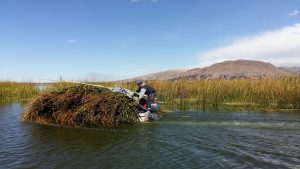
x: 178, y: 140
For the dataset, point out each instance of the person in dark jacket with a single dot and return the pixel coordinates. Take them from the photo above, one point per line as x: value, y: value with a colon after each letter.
x: 145, y: 89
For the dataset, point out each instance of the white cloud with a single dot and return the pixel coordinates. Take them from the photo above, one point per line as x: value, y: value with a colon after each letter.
x: 280, y: 47
x: 72, y: 41
x: 294, y: 13
x: 135, y: 0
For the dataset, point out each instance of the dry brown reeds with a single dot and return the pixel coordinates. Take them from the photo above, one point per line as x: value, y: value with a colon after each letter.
x: 82, y: 106
x: 251, y: 94
x: 14, y: 91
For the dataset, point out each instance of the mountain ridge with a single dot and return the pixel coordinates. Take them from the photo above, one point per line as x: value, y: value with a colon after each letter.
x: 237, y: 69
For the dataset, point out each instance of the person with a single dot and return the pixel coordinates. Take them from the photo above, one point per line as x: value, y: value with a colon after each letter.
x: 145, y: 89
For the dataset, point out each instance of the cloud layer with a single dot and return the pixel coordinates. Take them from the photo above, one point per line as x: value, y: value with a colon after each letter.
x: 279, y: 47
x: 72, y: 41
x: 294, y: 13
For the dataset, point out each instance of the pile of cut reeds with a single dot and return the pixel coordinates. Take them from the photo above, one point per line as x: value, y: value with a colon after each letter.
x: 82, y: 106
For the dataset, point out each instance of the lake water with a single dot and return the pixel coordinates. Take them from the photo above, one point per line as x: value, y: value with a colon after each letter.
x: 183, y: 139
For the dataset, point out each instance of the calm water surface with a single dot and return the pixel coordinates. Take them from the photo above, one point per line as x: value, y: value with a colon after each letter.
x: 177, y: 140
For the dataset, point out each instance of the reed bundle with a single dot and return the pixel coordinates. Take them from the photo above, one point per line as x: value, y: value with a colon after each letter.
x: 82, y: 106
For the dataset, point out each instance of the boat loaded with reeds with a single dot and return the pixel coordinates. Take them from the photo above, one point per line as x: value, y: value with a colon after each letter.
x: 83, y: 105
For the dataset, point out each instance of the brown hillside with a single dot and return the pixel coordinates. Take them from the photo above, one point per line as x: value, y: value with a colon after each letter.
x: 235, y: 70
x: 293, y: 69
x: 164, y: 75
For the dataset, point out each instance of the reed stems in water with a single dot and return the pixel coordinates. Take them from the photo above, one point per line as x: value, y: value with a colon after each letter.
x: 265, y: 94
x: 14, y: 91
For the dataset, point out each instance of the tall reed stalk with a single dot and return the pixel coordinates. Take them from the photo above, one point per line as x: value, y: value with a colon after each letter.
x: 271, y: 94
x: 13, y: 91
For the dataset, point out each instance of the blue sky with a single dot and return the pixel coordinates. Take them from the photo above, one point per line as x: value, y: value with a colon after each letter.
x: 116, y: 39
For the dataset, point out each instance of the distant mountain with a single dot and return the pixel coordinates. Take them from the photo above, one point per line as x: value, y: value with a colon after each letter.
x: 164, y: 75
x: 238, y: 69
x: 293, y: 69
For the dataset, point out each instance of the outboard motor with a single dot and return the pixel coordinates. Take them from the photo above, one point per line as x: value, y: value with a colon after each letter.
x: 154, y: 107
x: 154, y: 110
x: 148, y: 111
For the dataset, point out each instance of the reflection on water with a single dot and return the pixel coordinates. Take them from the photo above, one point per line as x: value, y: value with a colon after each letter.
x: 177, y: 140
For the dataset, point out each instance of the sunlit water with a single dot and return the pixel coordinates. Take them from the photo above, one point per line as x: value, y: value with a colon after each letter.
x: 177, y: 140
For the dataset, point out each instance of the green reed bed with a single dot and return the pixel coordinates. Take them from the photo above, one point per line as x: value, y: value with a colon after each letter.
x: 252, y: 94
x: 265, y: 94
x: 14, y: 91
